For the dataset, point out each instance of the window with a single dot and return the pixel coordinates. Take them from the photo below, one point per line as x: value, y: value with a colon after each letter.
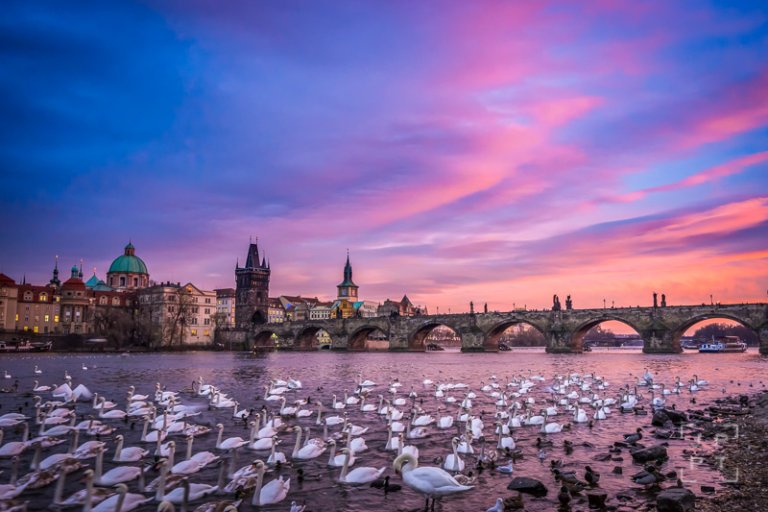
x: 26, y: 328
x: 207, y: 311
x: 207, y: 321
x: 43, y: 297
x: 35, y: 329
x: 122, y: 280
x: 79, y: 294
x: 103, y: 300
x: 27, y: 295
x: 194, y: 332
x: 135, y: 282
x: 207, y: 333
x: 207, y: 300
x: 47, y: 317
x: 55, y: 319
x: 111, y: 281
x: 115, y: 301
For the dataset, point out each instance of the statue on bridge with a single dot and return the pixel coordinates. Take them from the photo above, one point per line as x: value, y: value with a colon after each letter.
x: 556, y: 303
x: 568, y: 303
x: 485, y: 308
x: 663, y: 300
x: 655, y: 300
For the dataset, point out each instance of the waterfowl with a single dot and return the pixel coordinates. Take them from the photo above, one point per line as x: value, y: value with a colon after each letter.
x: 590, y: 476
x: 128, y: 454
x: 634, y: 437
x: 430, y: 481
x: 274, y: 492
x: 230, y: 443
x: 96, y: 494
x: 360, y: 475
x: 116, y: 475
x: 453, y: 462
x: 309, y: 451
x: 14, y: 448
x: 123, y: 501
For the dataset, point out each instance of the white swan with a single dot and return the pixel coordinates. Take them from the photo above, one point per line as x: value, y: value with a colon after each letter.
x: 116, y: 475
x: 551, y: 427
x: 123, y: 501
x: 129, y: 454
x: 361, y: 475
x: 309, y: 451
x: 97, y: 494
x: 274, y: 492
x: 185, y: 467
x: 430, y: 481
x: 37, y: 388
x: 14, y: 448
x: 338, y: 460
x: 275, y: 457
x: 230, y: 443
x: 452, y: 461
x: 194, y: 491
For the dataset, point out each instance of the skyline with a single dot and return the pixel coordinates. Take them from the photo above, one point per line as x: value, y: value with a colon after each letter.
x: 491, y: 152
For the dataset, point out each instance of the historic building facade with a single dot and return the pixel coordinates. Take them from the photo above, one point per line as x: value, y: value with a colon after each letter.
x: 252, y: 290
x: 128, y: 271
x: 182, y: 315
x: 225, y: 307
x: 9, y: 292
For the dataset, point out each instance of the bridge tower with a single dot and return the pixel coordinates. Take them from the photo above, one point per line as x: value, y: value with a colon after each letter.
x: 252, y: 290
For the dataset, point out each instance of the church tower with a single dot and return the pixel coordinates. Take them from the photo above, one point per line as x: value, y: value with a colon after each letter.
x: 252, y: 290
x: 347, y: 289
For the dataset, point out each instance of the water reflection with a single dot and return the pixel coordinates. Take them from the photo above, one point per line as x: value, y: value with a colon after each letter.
x: 243, y: 377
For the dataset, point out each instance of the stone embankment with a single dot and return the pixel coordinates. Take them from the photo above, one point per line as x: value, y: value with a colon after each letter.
x: 743, y: 457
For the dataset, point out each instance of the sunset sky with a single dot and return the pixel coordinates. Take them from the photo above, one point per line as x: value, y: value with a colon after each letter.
x: 498, y: 152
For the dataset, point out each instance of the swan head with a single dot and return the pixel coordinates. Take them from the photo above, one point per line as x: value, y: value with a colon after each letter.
x: 219, y: 426
x: 121, y: 488
x: 331, y: 442
x: 297, y: 429
x: 119, y: 437
x: 401, y: 460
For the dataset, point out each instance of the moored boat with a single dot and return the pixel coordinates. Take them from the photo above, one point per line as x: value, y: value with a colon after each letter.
x: 723, y: 344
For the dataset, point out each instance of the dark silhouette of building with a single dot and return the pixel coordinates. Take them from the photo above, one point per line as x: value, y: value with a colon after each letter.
x: 252, y: 290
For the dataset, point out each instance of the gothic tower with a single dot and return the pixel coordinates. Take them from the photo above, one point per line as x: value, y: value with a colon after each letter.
x: 252, y: 290
x: 347, y: 289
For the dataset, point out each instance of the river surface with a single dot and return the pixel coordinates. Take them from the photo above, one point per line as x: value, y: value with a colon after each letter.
x: 243, y: 377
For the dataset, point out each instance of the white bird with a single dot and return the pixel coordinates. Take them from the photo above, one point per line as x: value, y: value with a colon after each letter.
x: 129, y: 454
x: 274, y: 492
x: 177, y: 495
x: 38, y: 371
x: 39, y: 389
x: 309, y: 451
x: 338, y: 460
x: 14, y: 448
x: 116, y: 475
x: 430, y: 481
x: 230, y: 443
x: 361, y: 475
x: 123, y: 501
x: 97, y: 494
x: 453, y: 462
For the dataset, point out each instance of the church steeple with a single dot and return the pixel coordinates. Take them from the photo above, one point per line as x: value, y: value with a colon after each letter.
x: 347, y: 290
x: 55, y: 279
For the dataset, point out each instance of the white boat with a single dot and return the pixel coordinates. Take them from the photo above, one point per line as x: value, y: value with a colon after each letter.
x: 724, y: 344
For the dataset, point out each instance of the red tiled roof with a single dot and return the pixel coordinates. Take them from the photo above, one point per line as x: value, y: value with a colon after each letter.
x: 36, y: 291
x: 6, y: 281
x: 73, y: 283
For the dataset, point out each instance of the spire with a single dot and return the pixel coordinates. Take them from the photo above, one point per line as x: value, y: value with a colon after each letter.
x: 253, y: 256
x: 55, y: 279
x: 348, y: 269
x: 80, y: 274
x: 24, y: 279
x: 264, y: 262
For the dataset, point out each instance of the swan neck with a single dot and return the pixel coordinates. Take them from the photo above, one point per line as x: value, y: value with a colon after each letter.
x: 119, y: 449
x: 298, y: 443
x: 257, y: 491
x: 99, y: 464
x: 88, y: 493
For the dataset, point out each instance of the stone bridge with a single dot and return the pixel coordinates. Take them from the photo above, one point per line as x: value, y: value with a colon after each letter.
x: 660, y: 327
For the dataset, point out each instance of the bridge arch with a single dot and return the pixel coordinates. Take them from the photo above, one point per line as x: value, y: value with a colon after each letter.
x: 306, y: 338
x: 580, y: 332
x: 357, y: 340
x: 493, y: 335
x: 264, y: 339
x: 681, y: 329
x: 417, y: 339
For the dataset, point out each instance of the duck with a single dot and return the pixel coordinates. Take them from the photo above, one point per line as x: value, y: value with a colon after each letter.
x: 430, y: 481
x: 634, y: 437
x: 591, y: 477
x: 360, y: 475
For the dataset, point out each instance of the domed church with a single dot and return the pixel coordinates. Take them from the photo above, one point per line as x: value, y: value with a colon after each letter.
x: 128, y: 272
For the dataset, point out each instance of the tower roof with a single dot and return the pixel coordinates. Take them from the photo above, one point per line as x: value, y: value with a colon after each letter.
x: 253, y: 261
x: 347, y: 274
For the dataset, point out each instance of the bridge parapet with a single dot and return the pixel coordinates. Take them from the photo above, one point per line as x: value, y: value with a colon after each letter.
x: 660, y: 327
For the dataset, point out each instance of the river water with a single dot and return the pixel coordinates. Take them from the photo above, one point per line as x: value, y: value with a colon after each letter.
x: 243, y: 377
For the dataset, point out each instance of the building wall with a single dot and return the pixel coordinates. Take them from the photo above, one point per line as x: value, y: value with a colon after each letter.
x: 37, y: 310
x: 8, y: 304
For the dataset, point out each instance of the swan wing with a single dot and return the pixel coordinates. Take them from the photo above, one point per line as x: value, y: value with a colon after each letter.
x: 428, y: 479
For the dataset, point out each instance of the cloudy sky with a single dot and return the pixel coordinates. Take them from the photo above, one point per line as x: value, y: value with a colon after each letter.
x: 498, y: 152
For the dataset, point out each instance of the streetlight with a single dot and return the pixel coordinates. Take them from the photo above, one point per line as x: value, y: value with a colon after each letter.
x: 712, y: 302
x: 603, y: 303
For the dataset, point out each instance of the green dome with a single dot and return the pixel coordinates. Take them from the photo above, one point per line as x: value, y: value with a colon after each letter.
x: 128, y: 262
x: 132, y: 264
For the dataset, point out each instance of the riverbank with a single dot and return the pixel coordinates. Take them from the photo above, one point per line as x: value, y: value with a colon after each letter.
x: 743, y: 458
